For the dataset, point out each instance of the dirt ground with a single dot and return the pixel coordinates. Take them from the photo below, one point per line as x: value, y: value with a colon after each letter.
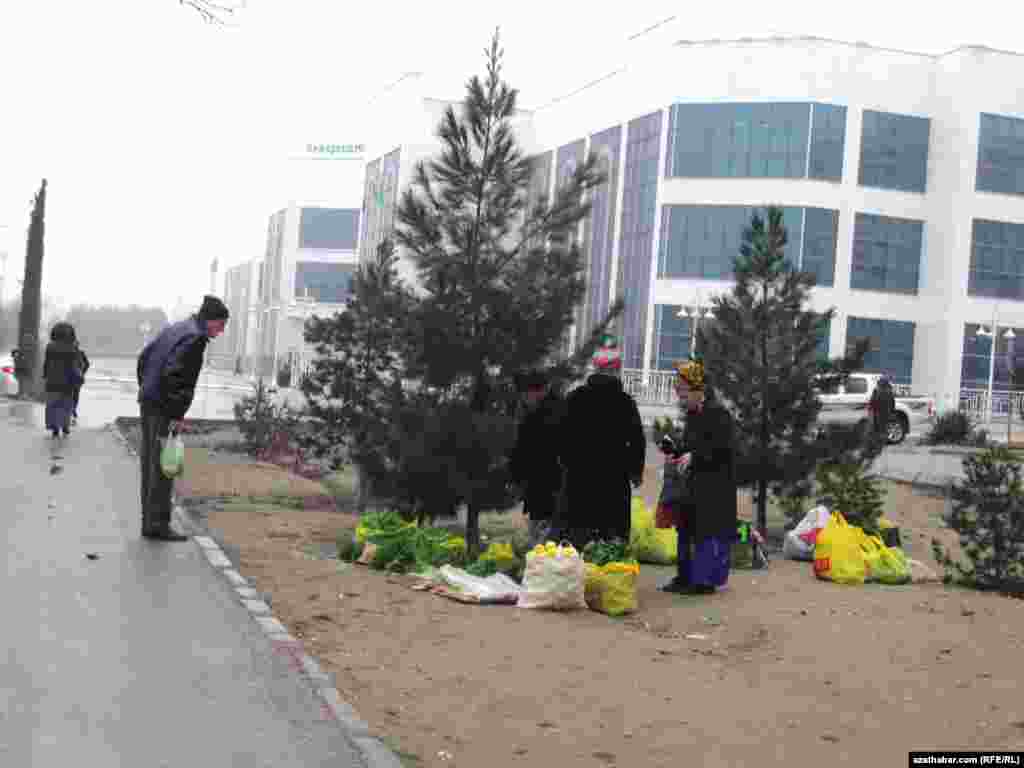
x: 777, y: 669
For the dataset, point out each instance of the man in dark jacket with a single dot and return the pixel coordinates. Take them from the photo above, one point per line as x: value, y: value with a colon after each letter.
x: 882, y: 406
x: 603, y: 449
x: 168, y: 370
x: 534, y: 466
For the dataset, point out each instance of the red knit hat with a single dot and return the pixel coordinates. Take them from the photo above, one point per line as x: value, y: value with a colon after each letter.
x: 608, y: 358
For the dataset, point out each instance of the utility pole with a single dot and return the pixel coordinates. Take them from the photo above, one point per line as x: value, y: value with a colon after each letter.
x: 28, y: 361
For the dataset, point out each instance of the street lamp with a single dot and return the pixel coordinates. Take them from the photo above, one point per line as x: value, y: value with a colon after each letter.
x: 695, y: 313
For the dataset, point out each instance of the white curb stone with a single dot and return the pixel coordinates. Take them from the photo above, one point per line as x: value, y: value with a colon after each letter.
x: 206, y: 542
x: 235, y: 578
x: 217, y: 558
x: 271, y: 626
x: 247, y: 593
x: 344, y: 713
x: 256, y: 607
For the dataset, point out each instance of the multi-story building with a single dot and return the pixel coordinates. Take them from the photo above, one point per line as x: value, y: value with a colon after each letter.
x: 901, y: 177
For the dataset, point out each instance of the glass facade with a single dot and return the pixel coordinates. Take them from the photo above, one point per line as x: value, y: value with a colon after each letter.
x: 323, y: 282
x: 599, y: 228
x: 329, y: 228
x: 638, y: 211
x: 822, y: 349
x: 976, y: 356
x: 568, y: 159
x: 828, y: 140
x: 540, y: 182
x: 370, y: 213
x: 702, y: 241
x: 886, y: 254
x: 782, y: 141
x: 1001, y: 155
x: 892, y: 346
x: 380, y: 198
x: 997, y: 260
x: 671, y: 337
x: 894, y: 151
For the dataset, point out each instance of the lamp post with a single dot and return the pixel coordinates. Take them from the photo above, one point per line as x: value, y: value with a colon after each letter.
x: 993, y: 335
x: 695, y: 313
x: 1010, y: 337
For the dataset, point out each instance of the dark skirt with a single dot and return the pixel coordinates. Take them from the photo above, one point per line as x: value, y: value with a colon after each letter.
x: 705, y: 562
x: 58, y: 411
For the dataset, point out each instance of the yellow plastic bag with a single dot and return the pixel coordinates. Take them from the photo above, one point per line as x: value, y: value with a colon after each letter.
x: 886, y: 565
x: 838, y: 556
x: 611, y: 588
x: 650, y: 544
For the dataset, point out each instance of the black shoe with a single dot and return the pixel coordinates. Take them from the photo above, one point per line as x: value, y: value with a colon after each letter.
x: 676, y: 587
x: 703, y: 589
x: 164, y: 534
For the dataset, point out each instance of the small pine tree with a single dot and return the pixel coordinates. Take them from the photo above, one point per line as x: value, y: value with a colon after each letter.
x: 500, y: 284
x: 355, y: 385
x: 761, y: 359
x: 988, y: 514
x: 846, y: 487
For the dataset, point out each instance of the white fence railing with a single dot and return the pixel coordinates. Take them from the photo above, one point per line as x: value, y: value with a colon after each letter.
x: 975, y: 402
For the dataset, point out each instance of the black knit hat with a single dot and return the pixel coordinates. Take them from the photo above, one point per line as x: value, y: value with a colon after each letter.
x: 213, y: 309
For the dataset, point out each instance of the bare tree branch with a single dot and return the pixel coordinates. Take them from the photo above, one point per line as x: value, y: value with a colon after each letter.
x: 214, y: 12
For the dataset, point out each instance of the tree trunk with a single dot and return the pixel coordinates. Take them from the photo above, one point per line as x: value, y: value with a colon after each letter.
x: 762, y: 508
x: 362, y: 489
x: 473, y: 531
x: 29, y: 382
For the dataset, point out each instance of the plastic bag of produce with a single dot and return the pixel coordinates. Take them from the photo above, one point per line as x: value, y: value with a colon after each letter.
x: 838, y: 556
x: 501, y: 554
x: 611, y: 588
x: 649, y: 543
x: 498, y: 588
x: 554, y: 578
x: 172, y: 456
x: 886, y: 565
x: 799, y: 542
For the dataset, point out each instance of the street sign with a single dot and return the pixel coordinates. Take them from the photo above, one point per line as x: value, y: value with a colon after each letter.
x: 334, y: 152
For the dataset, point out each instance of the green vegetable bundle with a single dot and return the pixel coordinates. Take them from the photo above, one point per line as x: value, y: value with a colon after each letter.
x: 603, y: 552
x: 410, y: 548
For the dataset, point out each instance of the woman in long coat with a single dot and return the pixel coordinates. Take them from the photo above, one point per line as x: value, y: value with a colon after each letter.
x: 61, y: 375
x: 706, y: 518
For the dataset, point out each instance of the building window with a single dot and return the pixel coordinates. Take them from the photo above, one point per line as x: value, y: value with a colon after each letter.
x: 323, y: 282
x: 703, y: 240
x: 671, y: 337
x: 975, y: 363
x: 739, y: 140
x: 886, y: 254
x: 997, y: 260
x: 822, y: 350
x: 892, y: 346
x: 329, y: 228
x: 638, y: 210
x: 599, y: 227
x: 828, y: 139
x: 894, y: 151
x: 1001, y: 155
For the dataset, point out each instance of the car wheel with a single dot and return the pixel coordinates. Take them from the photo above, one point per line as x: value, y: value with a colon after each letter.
x: 897, y: 431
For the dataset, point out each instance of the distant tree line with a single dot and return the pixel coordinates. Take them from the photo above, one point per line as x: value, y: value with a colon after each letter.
x: 112, y: 330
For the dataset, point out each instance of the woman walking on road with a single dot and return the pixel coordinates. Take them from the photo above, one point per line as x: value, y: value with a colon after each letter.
x: 62, y: 373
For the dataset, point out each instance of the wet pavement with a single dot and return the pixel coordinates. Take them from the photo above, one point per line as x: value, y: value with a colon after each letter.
x: 122, y: 651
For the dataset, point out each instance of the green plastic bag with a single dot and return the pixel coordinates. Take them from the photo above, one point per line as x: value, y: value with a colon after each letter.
x: 172, y: 456
x: 649, y: 544
x: 886, y: 565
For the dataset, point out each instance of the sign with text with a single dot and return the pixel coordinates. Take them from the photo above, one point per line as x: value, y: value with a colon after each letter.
x: 333, y: 151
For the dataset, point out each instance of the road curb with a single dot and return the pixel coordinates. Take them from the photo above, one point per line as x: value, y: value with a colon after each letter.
x: 374, y: 752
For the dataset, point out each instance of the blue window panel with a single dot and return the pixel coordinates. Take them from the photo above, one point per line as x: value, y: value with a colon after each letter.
x: 886, y: 254
x: 894, y: 151
x: 822, y: 350
x: 997, y: 260
x: 892, y: 346
x: 635, y: 242
x: 329, y: 228
x: 323, y: 282
x: 1000, y: 155
x: 975, y: 363
x: 702, y: 241
x: 599, y: 228
x: 739, y: 140
x: 671, y: 337
x: 828, y: 140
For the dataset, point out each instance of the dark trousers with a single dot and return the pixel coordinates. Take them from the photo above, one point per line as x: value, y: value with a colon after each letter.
x: 156, y: 488
x: 78, y: 391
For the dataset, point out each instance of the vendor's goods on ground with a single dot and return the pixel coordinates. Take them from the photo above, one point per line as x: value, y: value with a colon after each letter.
x: 748, y: 551
x: 885, y: 565
x: 459, y: 585
x: 838, y: 556
x: 799, y: 542
x: 554, y: 578
x: 611, y: 588
x: 650, y: 544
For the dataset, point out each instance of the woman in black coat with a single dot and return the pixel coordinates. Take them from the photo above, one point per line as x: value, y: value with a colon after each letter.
x: 706, y: 518
x: 62, y: 375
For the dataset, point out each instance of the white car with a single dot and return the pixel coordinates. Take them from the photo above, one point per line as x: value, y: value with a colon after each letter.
x: 8, y: 382
x: 848, y: 403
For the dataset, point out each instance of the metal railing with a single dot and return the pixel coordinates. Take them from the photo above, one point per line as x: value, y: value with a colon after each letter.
x: 975, y: 402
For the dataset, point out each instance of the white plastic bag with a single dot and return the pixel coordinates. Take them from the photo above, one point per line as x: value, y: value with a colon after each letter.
x: 554, y: 582
x: 498, y: 588
x: 172, y: 456
x: 799, y: 543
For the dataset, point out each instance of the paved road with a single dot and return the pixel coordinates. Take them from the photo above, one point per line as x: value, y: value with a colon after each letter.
x: 143, y: 657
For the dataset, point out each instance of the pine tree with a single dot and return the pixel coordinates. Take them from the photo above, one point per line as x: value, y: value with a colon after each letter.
x: 500, y: 283
x: 761, y: 359
x: 356, y: 378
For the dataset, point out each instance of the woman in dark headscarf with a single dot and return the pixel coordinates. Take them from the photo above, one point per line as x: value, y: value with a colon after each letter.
x: 62, y: 374
x: 706, y: 517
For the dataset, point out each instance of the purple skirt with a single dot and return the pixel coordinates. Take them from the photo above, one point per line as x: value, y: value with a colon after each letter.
x: 705, y: 562
x: 58, y: 411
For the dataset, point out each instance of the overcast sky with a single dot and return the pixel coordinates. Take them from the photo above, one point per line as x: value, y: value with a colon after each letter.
x: 165, y: 140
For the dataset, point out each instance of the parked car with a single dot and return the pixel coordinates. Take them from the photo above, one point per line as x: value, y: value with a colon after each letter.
x: 8, y: 381
x: 848, y: 403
